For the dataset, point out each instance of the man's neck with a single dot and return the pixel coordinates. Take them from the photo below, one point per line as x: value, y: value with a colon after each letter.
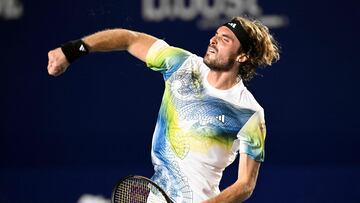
x: 223, y: 80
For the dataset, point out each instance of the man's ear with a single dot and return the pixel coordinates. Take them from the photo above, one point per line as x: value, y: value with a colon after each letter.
x: 242, y: 58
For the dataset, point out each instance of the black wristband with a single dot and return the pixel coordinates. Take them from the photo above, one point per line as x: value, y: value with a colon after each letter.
x: 74, y: 50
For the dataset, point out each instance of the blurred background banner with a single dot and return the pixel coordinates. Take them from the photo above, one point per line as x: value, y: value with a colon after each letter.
x: 74, y: 135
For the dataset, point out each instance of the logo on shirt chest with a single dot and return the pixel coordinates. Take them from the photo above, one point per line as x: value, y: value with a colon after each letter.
x: 221, y: 118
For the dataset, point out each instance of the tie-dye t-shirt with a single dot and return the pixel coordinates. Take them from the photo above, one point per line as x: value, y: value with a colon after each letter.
x: 200, y: 129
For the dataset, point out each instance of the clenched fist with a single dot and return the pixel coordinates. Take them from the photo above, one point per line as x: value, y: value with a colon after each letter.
x: 57, y: 62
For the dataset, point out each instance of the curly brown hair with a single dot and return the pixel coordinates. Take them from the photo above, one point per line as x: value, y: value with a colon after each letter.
x: 265, y: 49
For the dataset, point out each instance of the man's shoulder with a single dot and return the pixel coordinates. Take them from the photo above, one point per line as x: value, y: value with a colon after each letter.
x: 248, y: 101
x: 160, y: 45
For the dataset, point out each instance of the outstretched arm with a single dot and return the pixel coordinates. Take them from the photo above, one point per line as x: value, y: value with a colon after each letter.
x: 245, y: 184
x: 135, y: 43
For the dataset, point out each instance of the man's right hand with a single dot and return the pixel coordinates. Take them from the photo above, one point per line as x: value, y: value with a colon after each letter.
x: 57, y: 62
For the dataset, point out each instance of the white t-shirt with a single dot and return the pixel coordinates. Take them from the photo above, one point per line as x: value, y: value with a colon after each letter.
x: 200, y: 129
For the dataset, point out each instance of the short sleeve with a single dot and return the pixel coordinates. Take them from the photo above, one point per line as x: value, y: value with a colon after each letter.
x: 252, y: 137
x: 164, y: 58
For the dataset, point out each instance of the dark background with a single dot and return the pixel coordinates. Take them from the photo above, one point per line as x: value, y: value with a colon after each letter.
x: 79, y: 133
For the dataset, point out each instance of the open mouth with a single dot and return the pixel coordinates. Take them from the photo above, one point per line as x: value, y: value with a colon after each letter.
x: 212, y: 49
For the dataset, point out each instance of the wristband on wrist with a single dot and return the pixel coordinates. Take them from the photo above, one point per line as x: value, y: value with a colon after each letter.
x: 74, y: 50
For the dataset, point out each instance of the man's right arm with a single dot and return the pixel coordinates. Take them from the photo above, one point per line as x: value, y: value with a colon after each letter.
x: 135, y: 43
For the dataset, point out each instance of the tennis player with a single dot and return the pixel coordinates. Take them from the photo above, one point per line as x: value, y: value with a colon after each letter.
x: 207, y: 115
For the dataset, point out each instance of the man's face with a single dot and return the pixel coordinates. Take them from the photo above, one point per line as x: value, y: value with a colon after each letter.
x: 222, y: 50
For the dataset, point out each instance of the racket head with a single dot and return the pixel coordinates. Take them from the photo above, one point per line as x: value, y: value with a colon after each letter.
x: 137, y: 189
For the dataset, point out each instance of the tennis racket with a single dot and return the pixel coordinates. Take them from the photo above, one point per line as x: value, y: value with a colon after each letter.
x: 138, y: 189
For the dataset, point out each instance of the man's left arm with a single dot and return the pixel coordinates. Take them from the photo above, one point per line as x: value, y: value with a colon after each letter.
x: 245, y: 184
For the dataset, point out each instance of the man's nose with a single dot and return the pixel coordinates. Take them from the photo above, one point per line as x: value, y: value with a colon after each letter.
x: 213, y: 40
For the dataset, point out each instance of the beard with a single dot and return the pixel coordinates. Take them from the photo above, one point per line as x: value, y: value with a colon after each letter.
x: 217, y: 63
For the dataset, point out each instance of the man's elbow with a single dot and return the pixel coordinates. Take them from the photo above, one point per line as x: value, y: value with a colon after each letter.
x: 248, y: 192
x: 246, y: 188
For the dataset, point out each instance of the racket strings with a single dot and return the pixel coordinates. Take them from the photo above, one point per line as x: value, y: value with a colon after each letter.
x: 136, y: 190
